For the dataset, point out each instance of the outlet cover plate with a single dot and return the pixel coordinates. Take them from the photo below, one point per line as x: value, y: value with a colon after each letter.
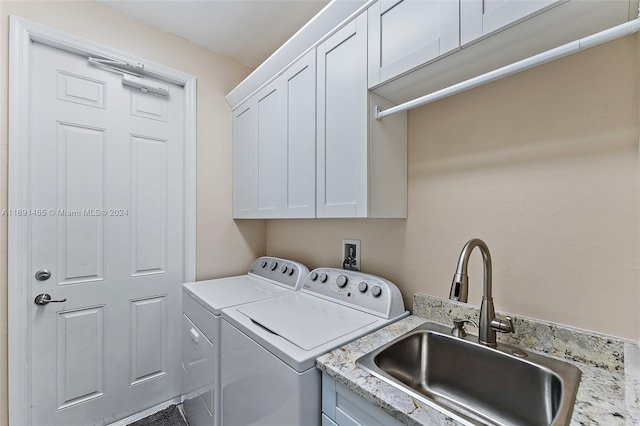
x: 350, y: 255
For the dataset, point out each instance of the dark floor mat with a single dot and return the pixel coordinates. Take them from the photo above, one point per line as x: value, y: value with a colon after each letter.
x: 170, y: 416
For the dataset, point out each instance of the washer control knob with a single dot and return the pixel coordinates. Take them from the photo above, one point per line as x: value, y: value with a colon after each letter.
x: 263, y: 264
x: 313, y: 276
x: 324, y: 278
x: 363, y: 287
x: 376, y: 291
x: 342, y: 281
x: 291, y: 270
x: 284, y: 269
x: 273, y: 265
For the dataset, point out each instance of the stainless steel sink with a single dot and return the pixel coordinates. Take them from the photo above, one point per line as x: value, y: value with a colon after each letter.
x: 482, y: 385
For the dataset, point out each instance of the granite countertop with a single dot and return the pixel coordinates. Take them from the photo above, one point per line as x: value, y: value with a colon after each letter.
x: 609, y: 392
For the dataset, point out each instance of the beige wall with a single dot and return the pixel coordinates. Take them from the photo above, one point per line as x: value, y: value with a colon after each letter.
x: 224, y: 246
x: 544, y: 167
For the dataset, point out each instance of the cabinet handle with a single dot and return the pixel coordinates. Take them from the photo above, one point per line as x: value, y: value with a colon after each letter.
x: 195, y: 336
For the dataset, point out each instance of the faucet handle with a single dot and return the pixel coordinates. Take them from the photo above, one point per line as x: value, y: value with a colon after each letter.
x: 503, y: 326
x: 458, y: 326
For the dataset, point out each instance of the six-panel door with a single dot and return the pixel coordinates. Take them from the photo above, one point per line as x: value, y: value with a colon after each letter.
x: 107, y: 172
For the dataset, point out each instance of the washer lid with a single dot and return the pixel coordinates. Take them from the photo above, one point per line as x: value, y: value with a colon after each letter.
x: 218, y: 294
x: 306, y: 321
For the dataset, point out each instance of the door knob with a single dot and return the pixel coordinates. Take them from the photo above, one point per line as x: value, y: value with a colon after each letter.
x: 44, y: 299
x: 43, y: 275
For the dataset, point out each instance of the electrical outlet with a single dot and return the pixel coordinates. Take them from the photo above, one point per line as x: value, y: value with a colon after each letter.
x: 351, y: 255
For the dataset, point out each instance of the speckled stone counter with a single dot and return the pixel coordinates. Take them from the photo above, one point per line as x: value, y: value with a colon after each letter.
x: 609, y: 392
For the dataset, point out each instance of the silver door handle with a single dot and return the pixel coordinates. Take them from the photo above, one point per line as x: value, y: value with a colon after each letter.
x: 44, y: 299
x: 43, y: 275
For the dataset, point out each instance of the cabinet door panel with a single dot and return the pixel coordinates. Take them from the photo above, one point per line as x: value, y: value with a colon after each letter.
x: 299, y: 181
x: 481, y: 17
x: 342, y: 122
x: 341, y: 406
x: 407, y: 33
x: 499, y: 13
x: 244, y: 162
x: 269, y: 146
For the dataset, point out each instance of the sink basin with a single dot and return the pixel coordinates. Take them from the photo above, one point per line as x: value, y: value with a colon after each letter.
x: 475, y: 383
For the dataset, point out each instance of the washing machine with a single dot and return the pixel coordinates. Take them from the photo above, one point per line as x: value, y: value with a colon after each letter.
x: 202, y: 303
x: 269, y: 347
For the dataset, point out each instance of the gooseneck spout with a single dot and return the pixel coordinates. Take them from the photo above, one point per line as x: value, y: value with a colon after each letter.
x: 460, y: 291
x: 460, y: 284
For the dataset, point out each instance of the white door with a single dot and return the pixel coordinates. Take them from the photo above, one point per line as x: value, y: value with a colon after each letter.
x: 106, y: 168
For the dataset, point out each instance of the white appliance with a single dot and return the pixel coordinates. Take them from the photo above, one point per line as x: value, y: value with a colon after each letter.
x: 269, y: 347
x: 202, y: 302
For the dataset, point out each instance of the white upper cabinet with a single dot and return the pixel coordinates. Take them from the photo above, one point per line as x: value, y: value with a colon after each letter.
x: 244, y: 161
x: 404, y: 34
x: 481, y: 17
x: 269, y: 144
x: 342, y: 122
x: 274, y: 147
x: 352, y: 149
x: 299, y: 154
x: 257, y: 155
x: 306, y: 144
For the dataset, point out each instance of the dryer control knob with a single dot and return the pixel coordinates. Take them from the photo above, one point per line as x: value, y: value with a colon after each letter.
x: 342, y: 281
x: 313, y: 276
x: 376, y: 291
x: 284, y: 269
x: 324, y: 278
x: 263, y: 264
x: 363, y: 287
x: 291, y: 270
x: 273, y: 265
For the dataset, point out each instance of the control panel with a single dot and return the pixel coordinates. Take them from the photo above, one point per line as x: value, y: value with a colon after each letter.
x: 281, y: 271
x: 362, y: 291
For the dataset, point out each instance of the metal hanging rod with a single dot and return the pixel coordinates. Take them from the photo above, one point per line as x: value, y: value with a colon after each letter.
x: 539, y: 59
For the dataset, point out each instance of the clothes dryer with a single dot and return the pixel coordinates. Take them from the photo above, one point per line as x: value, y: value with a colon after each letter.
x: 202, y: 302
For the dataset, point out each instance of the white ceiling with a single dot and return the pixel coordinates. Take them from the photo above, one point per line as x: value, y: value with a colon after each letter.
x: 247, y: 30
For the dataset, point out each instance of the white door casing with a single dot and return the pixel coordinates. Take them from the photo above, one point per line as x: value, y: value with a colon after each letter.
x: 76, y: 249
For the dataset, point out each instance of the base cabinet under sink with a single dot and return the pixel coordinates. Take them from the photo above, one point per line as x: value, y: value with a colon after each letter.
x: 343, y: 407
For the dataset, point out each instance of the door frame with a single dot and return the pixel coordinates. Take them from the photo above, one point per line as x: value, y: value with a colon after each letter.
x: 22, y: 33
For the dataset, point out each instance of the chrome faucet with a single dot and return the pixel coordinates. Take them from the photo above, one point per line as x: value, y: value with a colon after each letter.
x: 489, y: 324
